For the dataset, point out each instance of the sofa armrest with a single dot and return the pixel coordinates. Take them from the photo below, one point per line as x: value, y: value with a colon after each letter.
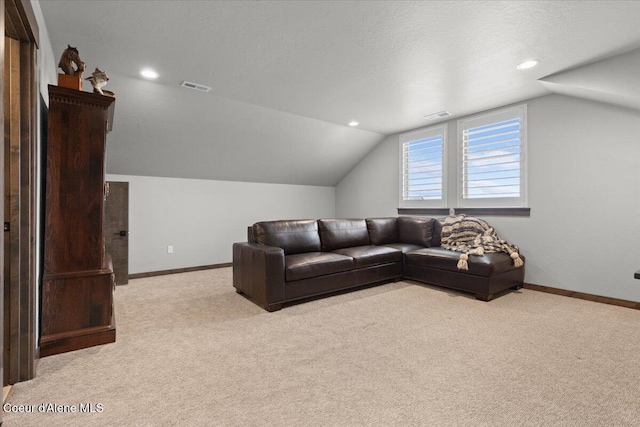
x: 258, y: 273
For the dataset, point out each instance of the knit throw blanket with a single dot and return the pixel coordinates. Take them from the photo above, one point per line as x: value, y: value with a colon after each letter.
x: 473, y: 236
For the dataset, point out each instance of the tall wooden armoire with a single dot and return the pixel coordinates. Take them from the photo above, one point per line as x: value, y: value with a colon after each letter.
x: 77, y: 292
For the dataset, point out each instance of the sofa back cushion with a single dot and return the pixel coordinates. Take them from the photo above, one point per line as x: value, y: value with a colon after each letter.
x: 437, y: 232
x: 343, y: 233
x: 415, y: 230
x: 382, y: 230
x: 293, y: 237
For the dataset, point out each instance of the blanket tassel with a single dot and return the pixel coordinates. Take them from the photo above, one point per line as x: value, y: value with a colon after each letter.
x: 462, y: 262
x: 517, y: 261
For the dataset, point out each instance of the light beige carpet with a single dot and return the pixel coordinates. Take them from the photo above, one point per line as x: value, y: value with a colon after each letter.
x: 192, y: 352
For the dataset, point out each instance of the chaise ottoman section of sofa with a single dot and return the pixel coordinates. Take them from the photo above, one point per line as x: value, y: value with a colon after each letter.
x: 488, y: 274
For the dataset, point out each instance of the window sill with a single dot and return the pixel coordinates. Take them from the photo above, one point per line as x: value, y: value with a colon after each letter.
x: 522, y: 212
x: 495, y: 211
x: 423, y: 211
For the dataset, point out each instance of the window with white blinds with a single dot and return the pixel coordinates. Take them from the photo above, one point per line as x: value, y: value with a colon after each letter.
x: 492, y: 159
x: 423, y: 168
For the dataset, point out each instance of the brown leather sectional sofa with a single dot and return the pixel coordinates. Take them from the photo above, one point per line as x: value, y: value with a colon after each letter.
x: 286, y: 261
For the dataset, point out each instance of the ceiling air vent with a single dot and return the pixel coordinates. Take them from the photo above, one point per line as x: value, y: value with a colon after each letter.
x: 439, y: 115
x: 195, y: 86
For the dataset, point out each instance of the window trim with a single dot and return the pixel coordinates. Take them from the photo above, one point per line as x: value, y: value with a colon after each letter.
x: 517, y: 212
x: 438, y: 129
x: 517, y: 111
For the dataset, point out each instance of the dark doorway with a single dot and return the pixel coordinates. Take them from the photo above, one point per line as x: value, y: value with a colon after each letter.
x: 116, y: 229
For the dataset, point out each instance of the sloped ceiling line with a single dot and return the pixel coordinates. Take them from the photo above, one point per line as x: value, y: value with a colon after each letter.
x: 614, y: 80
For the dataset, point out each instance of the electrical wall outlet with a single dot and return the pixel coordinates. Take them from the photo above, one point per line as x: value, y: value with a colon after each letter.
x: 170, y: 249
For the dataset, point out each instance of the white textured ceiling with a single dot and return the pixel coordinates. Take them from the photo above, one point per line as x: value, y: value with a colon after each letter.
x: 287, y: 77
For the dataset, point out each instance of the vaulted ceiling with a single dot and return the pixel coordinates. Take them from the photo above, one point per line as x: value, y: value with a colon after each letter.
x: 288, y: 77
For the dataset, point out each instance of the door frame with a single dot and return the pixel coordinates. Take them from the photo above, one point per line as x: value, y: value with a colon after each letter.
x: 2, y: 198
x: 19, y: 23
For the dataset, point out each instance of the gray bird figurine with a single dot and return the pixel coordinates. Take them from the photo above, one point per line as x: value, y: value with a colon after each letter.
x: 98, y: 79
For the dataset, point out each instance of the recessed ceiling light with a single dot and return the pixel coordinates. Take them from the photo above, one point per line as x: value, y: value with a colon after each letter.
x: 528, y: 64
x: 148, y: 73
x: 353, y: 124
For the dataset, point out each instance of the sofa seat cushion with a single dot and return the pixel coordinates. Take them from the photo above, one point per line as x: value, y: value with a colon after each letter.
x: 364, y: 256
x: 314, y: 264
x: 404, y: 247
x: 487, y: 265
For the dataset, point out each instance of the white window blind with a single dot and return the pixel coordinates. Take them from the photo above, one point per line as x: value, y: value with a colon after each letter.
x: 422, y: 169
x: 492, y: 159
